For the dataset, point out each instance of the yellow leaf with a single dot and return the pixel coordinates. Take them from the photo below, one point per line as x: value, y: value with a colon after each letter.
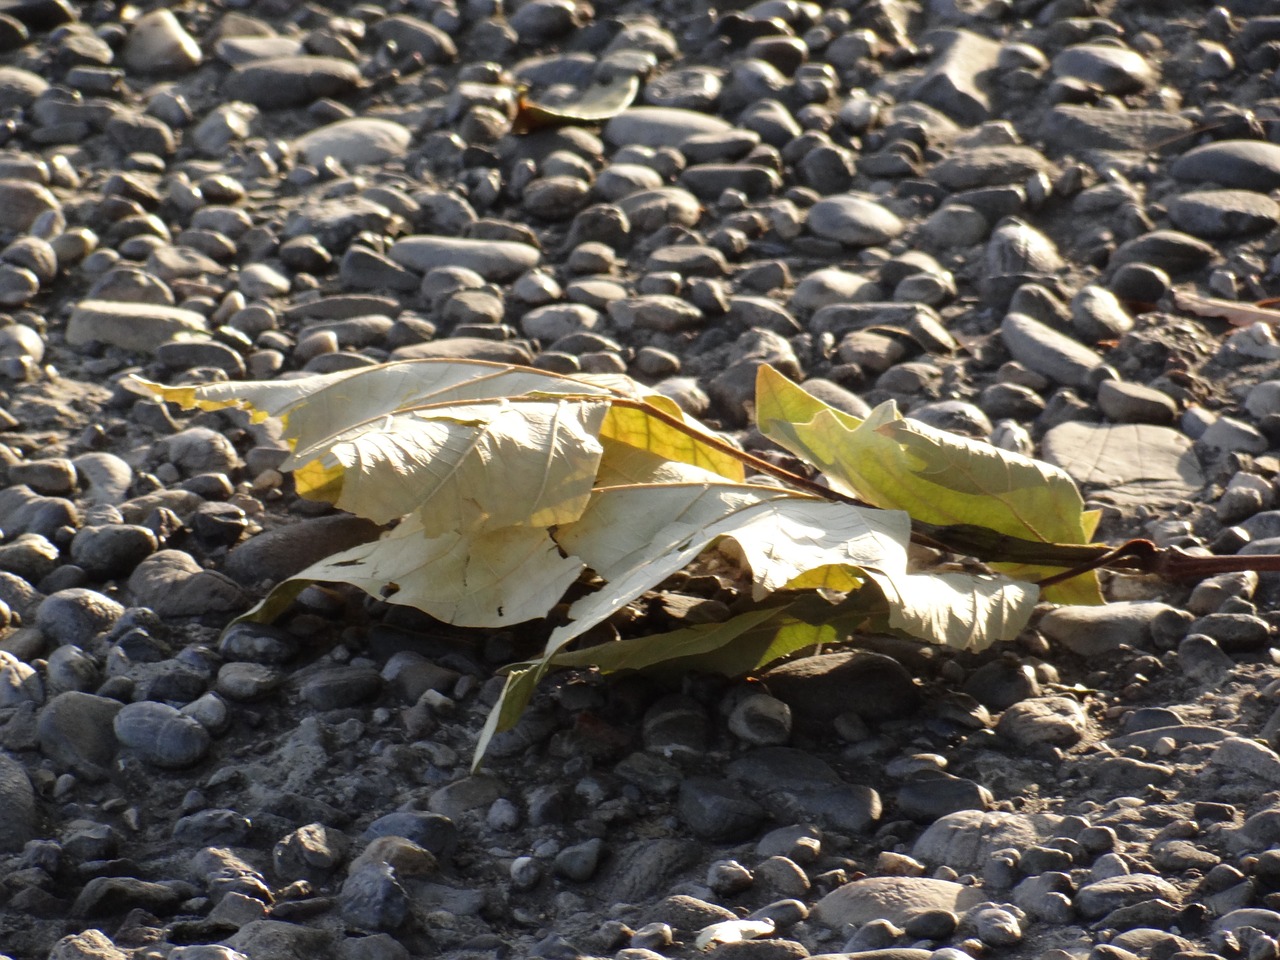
x: 642, y: 430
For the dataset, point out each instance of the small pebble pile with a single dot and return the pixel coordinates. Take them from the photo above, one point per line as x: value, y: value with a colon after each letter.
x: 984, y: 210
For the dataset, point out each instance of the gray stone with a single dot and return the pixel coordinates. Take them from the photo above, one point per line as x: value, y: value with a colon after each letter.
x: 955, y: 82
x: 1113, y: 69
x: 372, y: 898
x: 965, y: 840
x: 20, y: 822
x: 280, y: 553
x: 855, y: 220
x: 285, y: 82
x: 75, y: 731
x: 160, y: 735
x: 1092, y: 631
x: 357, y: 142
x: 1126, y: 402
x: 1048, y: 352
x: 158, y: 43
x: 412, y: 35
x: 821, y: 688
x: 1242, y: 164
x: 716, y: 810
x: 22, y: 203
x: 173, y: 584
x: 131, y: 326
x: 1134, y: 463
x: 19, y: 88
x: 1222, y: 214
x: 660, y: 126
x: 492, y: 259
x: 1071, y: 128
x: 1239, y: 757
x: 76, y: 615
x: 1101, y: 897
x: 990, y: 166
x: 1169, y: 250
x: 1056, y: 721
x: 340, y: 686
x: 895, y: 899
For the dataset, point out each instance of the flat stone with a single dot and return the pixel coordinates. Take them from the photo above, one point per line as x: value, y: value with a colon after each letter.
x: 990, y: 166
x: 1092, y: 631
x: 895, y: 899
x: 355, y: 142
x: 660, y: 126
x: 1058, y: 721
x: 290, y: 81
x: 493, y: 259
x: 1070, y: 128
x: 1126, y: 402
x: 1133, y: 463
x: 821, y: 688
x: 1243, y: 164
x: 131, y: 326
x: 855, y: 220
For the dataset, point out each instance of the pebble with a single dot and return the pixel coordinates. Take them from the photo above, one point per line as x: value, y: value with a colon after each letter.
x: 140, y: 327
x: 492, y: 259
x: 1234, y: 164
x: 354, y: 143
x: 854, y: 220
x: 1091, y: 631
x: 895, y: 899
x: 161, y: 735
x: 1048, y: 352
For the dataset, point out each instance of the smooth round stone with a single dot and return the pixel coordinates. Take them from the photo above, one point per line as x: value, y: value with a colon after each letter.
x: 660, y: 126
x: 1048, y: 352
x: 854, y: 220
x: 75, y: 731
x: 1126, y: 402
x: 286, y: 82
x: 412, y: 35
x: 161, y: 735
x: 558, y: 320
x: 832, y: 285
x: 19, y: 88
x: 20, y: 822
x: 1058, y: 721
x: 1096, y: 314
x: 1243, y: 164
x: 1113, y: 69
x: 650, y: 210
x: 353, y: 143
x: 76, y: 615
x: 1170, y: 250
x: 22, y: 203
x: 1221, y: 214
x: 158, y: 43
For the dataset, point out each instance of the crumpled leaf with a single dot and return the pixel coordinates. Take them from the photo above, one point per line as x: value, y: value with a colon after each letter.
x: 937, y: 477
x: 635, y: 537
x: 527, y: 464
x: 961, y: 610
x: 492, y: 578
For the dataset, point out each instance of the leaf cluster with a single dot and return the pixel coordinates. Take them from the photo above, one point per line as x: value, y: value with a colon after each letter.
x: 501, y: 486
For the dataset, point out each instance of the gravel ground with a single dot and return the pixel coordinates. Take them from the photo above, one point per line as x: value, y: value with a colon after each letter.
x: 1006, y: 215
